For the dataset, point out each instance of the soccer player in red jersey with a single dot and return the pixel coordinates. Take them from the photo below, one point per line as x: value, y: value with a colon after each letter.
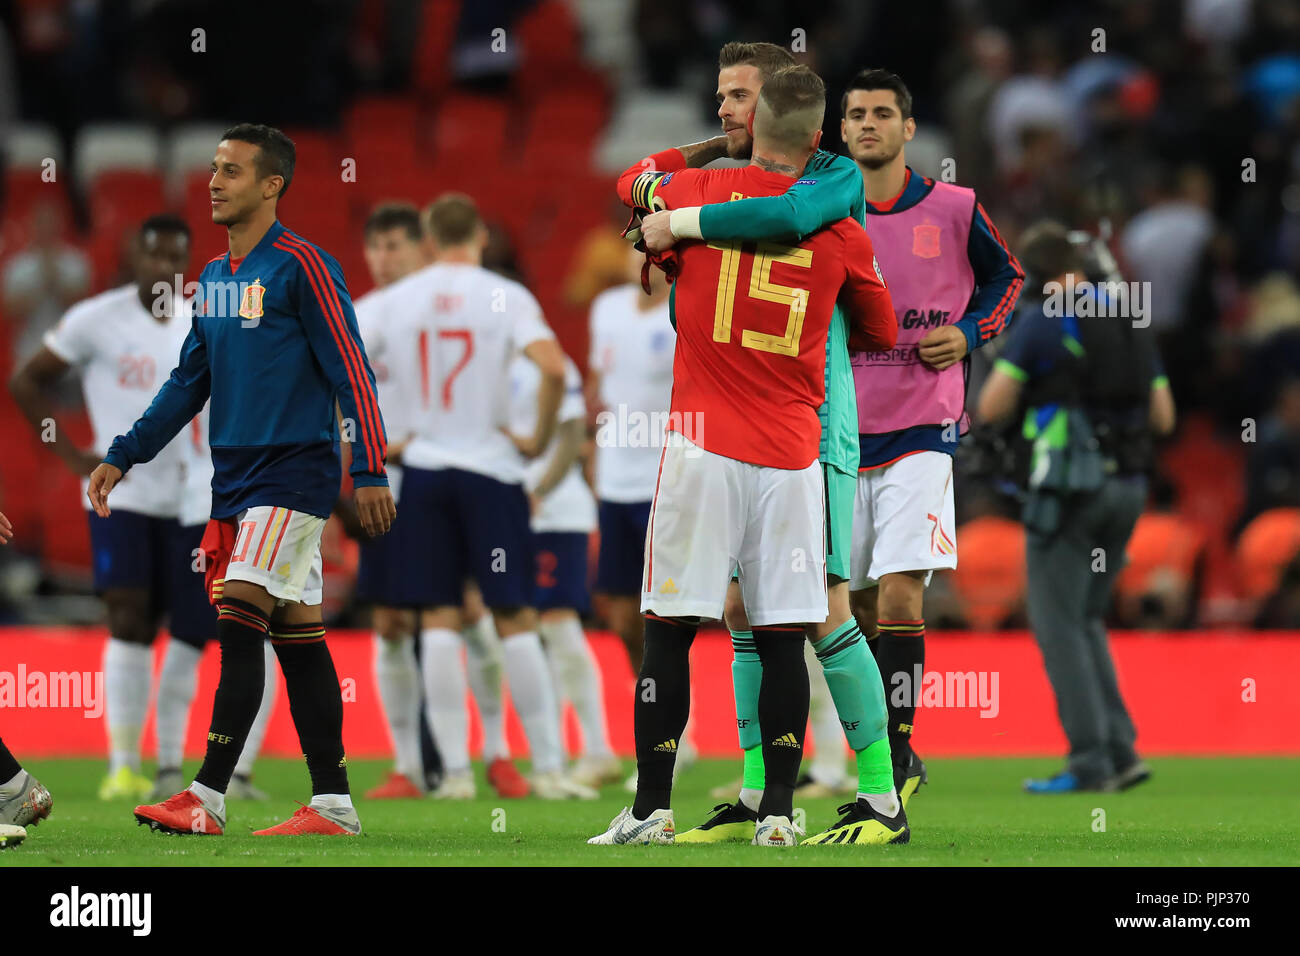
x: 739, y: 484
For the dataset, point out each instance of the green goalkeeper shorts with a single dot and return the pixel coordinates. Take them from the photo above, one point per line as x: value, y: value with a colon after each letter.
x: 840, y: 492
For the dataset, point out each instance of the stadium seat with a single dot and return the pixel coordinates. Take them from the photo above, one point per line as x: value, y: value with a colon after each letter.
x: 120, y: 199
x: 28, y: 146
x: 645, y: 122
x: 429, y: 72
x: 551, y: 48
x: 990, y: 579
x: 188, y: 151
x: 1209, y: 476
x: 1158, y: 580
x: 384, y: 131
x: 473, y: 130
x: 1268, y: 544
x: 111, y: 146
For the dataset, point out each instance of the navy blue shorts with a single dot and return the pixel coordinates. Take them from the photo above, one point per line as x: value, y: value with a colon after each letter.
x: 622, y: 546
x: 470, y: 526
x: 131, y: 550
x: 385, y: 564
x: 562, y: 570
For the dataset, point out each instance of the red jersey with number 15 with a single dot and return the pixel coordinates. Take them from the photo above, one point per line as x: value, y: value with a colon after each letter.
x: 752, y: 318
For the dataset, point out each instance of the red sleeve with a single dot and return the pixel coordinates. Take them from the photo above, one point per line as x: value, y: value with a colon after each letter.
x: 663, y: 175
x: 873, y: 326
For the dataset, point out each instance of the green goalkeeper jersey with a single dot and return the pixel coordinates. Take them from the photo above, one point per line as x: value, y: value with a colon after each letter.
x: 829, y: 190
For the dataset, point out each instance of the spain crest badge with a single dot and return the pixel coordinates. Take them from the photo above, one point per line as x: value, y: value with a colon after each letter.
x: 250, y: 302
x: 925, y: 241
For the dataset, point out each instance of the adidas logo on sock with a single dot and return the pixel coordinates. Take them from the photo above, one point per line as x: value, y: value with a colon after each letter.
x: 667, y: 747
x: 786, y: 740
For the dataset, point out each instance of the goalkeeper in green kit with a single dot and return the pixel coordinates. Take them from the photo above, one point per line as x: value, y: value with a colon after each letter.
x: 829, y: 189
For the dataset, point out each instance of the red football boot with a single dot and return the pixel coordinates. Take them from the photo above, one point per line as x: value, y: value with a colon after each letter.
x: 317, y: 821
x: 182, y: 813
x: 395, y: 786
x: 506, y: 780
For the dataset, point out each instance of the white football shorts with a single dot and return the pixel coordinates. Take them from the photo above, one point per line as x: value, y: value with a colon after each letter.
x: 280, y: 550
x: 712, y: 515
x: 903, y: 519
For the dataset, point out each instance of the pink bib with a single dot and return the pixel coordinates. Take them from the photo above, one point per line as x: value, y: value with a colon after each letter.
x: 922, y: 252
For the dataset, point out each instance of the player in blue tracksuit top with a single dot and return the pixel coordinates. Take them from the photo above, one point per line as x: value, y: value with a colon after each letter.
x: 274, y: 344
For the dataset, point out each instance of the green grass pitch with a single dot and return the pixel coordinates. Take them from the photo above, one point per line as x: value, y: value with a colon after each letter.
x: 1194, y: 812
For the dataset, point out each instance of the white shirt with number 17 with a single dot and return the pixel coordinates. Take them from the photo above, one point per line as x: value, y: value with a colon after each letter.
x: 448, y: 334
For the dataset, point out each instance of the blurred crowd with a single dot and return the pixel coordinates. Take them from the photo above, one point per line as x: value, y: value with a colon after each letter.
x: 1169, y: 127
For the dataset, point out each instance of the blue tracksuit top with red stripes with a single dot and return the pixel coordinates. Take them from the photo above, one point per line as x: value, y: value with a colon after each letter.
x: 274, y: 342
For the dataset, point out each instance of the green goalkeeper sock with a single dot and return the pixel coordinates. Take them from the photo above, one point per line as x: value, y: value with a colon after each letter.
x: 875, y: 770
x: 855, y: 685
x: 859, y: 695
x: 754, y: 778
x: 746, y: 676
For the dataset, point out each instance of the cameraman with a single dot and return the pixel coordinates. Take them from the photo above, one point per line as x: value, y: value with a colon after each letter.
x: 1093, y: 394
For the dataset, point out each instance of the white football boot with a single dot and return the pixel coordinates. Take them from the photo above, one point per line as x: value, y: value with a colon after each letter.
x: 556, y: 786
x: 628, y: 829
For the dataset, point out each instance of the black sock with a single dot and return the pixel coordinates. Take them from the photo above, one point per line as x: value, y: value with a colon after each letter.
x: 315, y: 701
x: 782, y: 713
x: 241, y: 629
x: 9, y: 767
x: 901, y: 658
x: 873, y: 645
x: 660, y: 710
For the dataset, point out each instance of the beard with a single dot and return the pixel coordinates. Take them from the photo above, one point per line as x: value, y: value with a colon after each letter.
x: 879, y: 160
x: 740, y: 150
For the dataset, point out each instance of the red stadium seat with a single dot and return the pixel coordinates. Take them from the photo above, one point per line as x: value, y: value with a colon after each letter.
x: 473, y: 130
x: 120, y: 199
x: 429, y: 72
x: 383, y: 132
x: 1161, y: 563
x: 1270, y: 542
x: 551, y: 47
x: 990, y: 579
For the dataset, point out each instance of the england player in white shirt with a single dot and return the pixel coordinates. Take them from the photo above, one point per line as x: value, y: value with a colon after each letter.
x: 452, y: 329
x: 123, y: 343
x: 629, y: 384
x: 564, y: 516
x: 394, y: 248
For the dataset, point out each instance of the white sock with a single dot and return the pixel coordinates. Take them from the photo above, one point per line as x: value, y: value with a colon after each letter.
x: 578, y: 677
x: 398, y: 674
x: 483, y: 664
x: 827, y: 766
x: 13, y: 785
x: 444, y: 691
x: 751, y: 798
x: 534, y: 699
x: 176, y: 686
x: 214, y: 799
x: 886, y: 803
x: 128, y: 675
x: 257, y: 733
x: 332, y: 801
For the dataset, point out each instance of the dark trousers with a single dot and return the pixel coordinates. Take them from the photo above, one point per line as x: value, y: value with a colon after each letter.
x: 1070, y: 583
